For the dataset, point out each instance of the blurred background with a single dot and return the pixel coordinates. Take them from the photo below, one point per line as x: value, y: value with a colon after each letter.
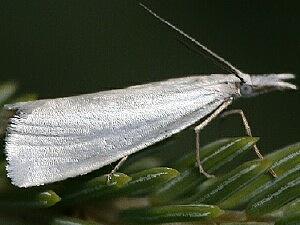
x: 63, y: 48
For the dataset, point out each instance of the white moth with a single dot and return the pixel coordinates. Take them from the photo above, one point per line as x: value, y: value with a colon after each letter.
x: 54, y: 139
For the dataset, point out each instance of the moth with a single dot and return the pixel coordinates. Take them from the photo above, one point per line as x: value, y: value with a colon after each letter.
x: 54, y: 139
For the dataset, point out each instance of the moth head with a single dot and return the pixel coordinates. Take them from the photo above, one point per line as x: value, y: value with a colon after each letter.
x: 265, y: 83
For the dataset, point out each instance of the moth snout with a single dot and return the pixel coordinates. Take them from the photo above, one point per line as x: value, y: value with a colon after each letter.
x: 272, y: 82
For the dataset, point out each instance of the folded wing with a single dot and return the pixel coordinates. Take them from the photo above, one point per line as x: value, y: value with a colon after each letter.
x: 51, y: 140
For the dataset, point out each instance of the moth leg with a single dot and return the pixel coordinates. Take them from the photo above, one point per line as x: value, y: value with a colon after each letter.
x: 117, y: 167
x: 248, y: 132
x: 198, y: 128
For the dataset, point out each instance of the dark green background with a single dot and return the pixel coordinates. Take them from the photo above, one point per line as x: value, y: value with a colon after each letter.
x: 62, y: 48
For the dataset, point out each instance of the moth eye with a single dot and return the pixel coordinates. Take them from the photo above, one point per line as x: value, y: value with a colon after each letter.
x: 246, y: 89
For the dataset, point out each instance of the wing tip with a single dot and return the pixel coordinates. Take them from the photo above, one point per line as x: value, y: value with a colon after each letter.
x: 17, y: 178
x: 13, y: 168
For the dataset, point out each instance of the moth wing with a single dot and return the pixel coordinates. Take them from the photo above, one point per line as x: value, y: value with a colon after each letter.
x: 51, y: 140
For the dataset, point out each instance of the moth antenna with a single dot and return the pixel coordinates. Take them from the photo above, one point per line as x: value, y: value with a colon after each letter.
x: 214, y: 55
